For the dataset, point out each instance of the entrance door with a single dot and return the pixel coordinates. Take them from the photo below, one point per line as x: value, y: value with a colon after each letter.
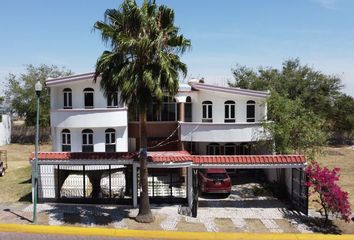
x: 299, y: 194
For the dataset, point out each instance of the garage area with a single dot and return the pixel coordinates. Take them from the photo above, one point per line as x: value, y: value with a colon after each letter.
x: 255, y: 181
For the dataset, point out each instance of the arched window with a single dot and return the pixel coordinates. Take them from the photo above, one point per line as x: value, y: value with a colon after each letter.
x: 188, y: 110
x: 87, y: 140
x: 110, y: 134
x: 68, y: 99
x: 229, y: 111
x: 230, y: 149
x: 207, y: 111
x: 65, y: 140
x: 251, y: 109
x: 112, y: 99
x: 88, y: 97
x: 213, y: 149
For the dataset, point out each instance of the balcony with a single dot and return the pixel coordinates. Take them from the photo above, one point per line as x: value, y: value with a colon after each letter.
x: 222, y: 132
x: 88, y: 118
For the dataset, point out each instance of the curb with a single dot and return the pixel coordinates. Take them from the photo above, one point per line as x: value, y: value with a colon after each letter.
x: 124, y: 233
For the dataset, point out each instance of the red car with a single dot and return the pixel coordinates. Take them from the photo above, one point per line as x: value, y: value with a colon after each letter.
x: 214, y: 180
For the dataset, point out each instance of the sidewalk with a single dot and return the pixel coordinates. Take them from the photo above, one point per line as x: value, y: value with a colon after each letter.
x: 269, y: 216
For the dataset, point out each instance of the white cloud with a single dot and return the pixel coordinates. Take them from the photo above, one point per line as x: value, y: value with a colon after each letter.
x: 329, y: 4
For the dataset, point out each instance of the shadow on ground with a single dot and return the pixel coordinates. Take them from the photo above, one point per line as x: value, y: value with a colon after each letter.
x: 315, y: 224
x: 88, y: 215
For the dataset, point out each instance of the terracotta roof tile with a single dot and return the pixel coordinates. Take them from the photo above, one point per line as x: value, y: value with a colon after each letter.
x: 176, y: 157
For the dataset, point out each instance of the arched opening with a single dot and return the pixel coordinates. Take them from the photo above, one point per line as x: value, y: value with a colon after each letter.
x: 110, y: 137
x: 88, y: 97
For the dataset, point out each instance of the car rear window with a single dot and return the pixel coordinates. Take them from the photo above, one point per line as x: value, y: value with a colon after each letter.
x: 217, y: 175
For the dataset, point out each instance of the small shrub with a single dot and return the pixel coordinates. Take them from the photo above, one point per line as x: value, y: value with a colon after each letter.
x: 332, y: 198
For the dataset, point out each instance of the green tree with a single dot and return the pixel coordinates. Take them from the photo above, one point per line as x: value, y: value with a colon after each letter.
x: 294, y: 128
x: 342, y: 115
x: 1, y: 99
x: 316, y: 91
x: 21, y: 96
x: 143, y: 63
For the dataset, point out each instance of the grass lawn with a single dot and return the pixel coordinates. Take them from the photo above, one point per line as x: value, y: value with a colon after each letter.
x: 342, y: 157
x: 16, y: 184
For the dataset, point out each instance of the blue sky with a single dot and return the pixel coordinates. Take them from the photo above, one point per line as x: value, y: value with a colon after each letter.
x: 223, y: 33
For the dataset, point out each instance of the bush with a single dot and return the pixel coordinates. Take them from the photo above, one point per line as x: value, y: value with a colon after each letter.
x: 332, y: 198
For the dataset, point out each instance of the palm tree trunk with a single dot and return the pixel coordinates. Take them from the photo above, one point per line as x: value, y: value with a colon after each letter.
x: 144, y: 215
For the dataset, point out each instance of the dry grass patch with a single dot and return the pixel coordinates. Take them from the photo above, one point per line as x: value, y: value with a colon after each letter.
x: 255, y: 226
x: 226, y: 225
x: 286, y: 226
x: 184, y: 226
x: 16, y: 184
x: 342, y: 157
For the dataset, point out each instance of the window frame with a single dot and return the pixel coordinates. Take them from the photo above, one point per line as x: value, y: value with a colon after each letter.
x: 230, y: 145
x: 89, y: 91
x: 213, y: 149
x: 249, y: 104
x: 229, y: 110
x: 87, y: 134
x: 67, y: 98
x: 66, y: 140
x: 207, y: 111
x: 113, y: 102
x: 110, y: 146
x: 188, y: 109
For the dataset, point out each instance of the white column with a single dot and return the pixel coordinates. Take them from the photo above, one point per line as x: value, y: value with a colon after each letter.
x: 32, y: 180
x: 190, y: 186
x: 135, y: 186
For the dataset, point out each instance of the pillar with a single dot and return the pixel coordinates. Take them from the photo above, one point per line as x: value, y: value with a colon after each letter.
x: 181, y: 112
x: 135, y: 186
x: 190, y: 186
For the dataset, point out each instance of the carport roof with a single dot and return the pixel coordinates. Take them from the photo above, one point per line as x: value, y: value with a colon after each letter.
x: 176, y: 157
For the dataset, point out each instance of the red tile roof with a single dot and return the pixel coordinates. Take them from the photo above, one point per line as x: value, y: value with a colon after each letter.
x: 83, y: 156
x: 177, y: 157
x: 170, y: 156
x: 249, y: 159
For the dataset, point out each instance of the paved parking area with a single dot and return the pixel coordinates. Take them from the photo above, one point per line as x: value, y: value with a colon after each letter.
x: 241, y: 211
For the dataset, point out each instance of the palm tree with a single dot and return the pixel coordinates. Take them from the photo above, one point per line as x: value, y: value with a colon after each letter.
x: 143, y: 63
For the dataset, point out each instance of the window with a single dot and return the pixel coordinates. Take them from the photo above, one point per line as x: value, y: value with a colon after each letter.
x: 68, y: 99
x: 65, y: 140
x: 112, y: 100
x: 88, y: 97
x: 87, y: 140
x: 207, y: 111
x: 229, y: 111
x: 110, y: 140
x: 188, y: 110
x: 213, y: 149
x: 230, y: 149
x: 251, y: 107
x: 167, y: 111
x: 243, y: 149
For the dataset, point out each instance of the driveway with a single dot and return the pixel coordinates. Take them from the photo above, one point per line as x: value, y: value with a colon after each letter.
x: 241, y: 211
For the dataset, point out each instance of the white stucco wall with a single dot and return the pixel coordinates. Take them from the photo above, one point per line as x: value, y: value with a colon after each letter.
x: 98, y: 139
x: 5, y: 130
x: 218, y: 99
x: 57, y: 96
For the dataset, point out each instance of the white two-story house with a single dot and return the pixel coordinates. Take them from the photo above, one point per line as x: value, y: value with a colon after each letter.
x: 96, y: 140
